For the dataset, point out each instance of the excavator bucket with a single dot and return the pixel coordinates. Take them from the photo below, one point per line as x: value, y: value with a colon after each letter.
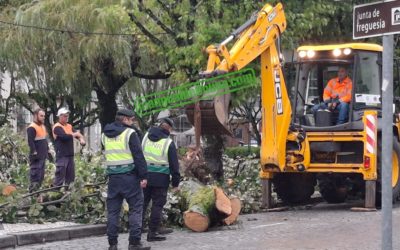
x: 213, y: 115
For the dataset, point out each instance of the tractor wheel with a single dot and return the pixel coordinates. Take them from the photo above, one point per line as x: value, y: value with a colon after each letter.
x: 332, y: 187
x: 395, y: 172
x: 294, y: 188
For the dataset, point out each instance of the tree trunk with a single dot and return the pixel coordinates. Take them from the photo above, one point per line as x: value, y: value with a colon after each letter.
x: 256, y: 132
x: 108, y: 88
x: 213, y: 155
x: 108, y: 107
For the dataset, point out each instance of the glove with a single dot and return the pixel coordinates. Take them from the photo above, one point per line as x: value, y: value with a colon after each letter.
x: 336, y: 100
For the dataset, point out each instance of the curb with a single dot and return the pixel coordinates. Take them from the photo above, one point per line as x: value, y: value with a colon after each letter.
x: 49, y: 235
x: 7, y: 241
x: 42, y: 236
x: 86, y: 231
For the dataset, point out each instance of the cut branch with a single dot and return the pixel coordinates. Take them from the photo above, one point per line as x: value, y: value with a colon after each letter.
x: 236, y: 207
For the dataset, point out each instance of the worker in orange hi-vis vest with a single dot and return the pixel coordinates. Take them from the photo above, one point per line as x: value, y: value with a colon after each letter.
x: 337, y: 96
x: 37, y: 141
x: 64, y: 136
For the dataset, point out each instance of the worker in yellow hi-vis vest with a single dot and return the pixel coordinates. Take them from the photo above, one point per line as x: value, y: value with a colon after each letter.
x: 163, y: 167
x: 127, y: 174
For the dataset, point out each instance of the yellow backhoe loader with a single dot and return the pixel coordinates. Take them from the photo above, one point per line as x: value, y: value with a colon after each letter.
x: 299, y: 148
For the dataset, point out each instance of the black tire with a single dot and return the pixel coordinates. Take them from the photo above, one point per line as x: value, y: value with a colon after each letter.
x: 294, y: 188
x: 332, y: 187
x: 396, y: 187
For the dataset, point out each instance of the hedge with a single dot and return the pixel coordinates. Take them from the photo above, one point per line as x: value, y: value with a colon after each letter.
x: 234, y: 152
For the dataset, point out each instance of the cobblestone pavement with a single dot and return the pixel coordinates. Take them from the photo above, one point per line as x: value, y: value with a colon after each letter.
x: 316, y: 227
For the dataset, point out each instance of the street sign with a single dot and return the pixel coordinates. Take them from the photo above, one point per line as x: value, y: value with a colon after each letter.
x: 376, y: 19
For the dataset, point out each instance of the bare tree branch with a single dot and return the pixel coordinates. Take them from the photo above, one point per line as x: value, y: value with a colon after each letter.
x: 156, y: 19
x: 145, y: 31
x: 158, y: 75
x: 168, y: 10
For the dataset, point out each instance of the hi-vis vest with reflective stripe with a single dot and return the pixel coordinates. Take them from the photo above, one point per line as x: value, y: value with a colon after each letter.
x: 156, y: 154
x: 117, y: 149
x: 41, y: 132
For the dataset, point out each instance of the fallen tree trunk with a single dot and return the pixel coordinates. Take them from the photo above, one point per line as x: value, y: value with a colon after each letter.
x: 201, y: 205
x: 207, y: 205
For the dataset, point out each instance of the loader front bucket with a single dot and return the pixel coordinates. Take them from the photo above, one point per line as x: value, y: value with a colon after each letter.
x: 214, y: 115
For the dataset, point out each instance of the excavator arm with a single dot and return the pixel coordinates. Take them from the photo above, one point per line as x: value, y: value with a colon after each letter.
x: 253, y: 38
x: 259, y: 36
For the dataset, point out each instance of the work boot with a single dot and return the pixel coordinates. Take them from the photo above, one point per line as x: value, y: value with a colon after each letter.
x: 164, y: 230
x: 113, y: 247
x: 113, y: 244
x: 137, y: 245
x: 155, y: 236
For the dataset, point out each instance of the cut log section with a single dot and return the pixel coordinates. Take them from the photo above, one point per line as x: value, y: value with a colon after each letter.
x: 207, y: 206
x: 222, y: 202
x: 236, y: 206
x: 201, y: 204
x: 195, y: 221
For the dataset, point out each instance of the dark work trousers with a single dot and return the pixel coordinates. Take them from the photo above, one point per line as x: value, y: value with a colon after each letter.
x: 158, y: 196
x: 36, y: 174
x: 65, y: 171
x: 124, y: 186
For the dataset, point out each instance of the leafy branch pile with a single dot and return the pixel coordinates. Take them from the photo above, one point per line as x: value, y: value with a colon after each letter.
x: 241, y: 176
x: 13, y: 158
x: 84, y: 202
x: 242, y: 180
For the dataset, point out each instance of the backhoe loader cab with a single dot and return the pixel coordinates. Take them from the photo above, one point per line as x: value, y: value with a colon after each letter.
x: 316, y: 65
x: 342, y: 158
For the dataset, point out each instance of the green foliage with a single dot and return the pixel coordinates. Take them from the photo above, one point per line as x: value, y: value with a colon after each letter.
x: 65, y: 53
x: 69, y: 65
x: 234, y: 152
x: 83, y: 203
x: 13, y: 157
x: 318, y: 21
x: 9, y: 214
x: 182, y: 30
x: 182, y: 151
x: 203, y: 201
x: 242, y: 180
x: 173, y: 209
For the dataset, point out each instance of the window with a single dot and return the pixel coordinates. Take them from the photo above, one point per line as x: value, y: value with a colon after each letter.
x: 313, y: 78
x: 367, y: 87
